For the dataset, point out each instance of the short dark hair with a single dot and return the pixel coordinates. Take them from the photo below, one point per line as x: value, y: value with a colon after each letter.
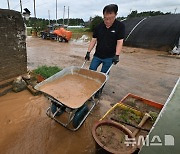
x: 110, y: 8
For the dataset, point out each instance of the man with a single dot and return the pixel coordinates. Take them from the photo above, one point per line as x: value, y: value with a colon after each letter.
x: 108, y: 36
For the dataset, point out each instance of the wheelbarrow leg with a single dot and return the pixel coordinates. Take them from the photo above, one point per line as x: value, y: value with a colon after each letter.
x: 57, y: 110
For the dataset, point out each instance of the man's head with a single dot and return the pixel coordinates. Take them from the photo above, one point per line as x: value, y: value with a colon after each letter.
x: 110, y: 12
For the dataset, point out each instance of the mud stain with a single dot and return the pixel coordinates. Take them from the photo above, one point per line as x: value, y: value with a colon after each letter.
x: 25, y: 128
x: 72, y: 90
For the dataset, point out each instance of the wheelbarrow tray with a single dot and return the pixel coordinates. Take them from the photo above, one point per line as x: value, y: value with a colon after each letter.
x: 73, y: 86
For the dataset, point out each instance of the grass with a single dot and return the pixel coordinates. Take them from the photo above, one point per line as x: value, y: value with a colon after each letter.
x: 78, y: 30
x: 28, y: 31
x: 128, y: 116
x: 47, y: 71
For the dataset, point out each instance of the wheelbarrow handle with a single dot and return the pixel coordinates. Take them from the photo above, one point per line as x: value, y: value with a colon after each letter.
x: 109, y: 69
x: 83, y: 63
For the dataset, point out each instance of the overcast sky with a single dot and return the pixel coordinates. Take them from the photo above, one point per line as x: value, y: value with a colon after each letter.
x: 89, y: 8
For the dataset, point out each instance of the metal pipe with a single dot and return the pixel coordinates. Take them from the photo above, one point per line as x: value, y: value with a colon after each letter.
x: 34, y: 8
x: 49, y: 16
x: 21, y: 6
x: 83, y: 64
x: 56, y: 11
x: 8, y: 4
x: 134, y: 28
x: 109, y: 70
x: 68, y: 16
x: 63, y: 15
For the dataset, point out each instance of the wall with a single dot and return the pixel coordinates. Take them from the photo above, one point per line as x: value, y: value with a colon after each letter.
x: 13, y: 56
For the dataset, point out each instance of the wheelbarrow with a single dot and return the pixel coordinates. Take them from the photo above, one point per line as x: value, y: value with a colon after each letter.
x: 71, y: 93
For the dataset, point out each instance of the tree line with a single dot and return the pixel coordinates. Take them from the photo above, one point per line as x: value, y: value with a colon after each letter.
x: 41, y: 24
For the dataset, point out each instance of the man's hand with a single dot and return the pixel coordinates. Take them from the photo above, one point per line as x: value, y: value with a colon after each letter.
x: 87, y: 57
x: 116, y: 59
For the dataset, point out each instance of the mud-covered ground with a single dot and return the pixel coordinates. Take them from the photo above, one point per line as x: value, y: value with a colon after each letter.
x: 24, y: 126
x: 140, y: 71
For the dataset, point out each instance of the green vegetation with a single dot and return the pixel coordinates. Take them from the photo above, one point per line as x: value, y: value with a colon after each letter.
x: 41, y: 24
x: 128, y: 116
x: 79, y: 30
x: 47, y: 71
x: 145, y: 14
x: 154, y: 116
x: 29, y: 31
x: 95, y: 21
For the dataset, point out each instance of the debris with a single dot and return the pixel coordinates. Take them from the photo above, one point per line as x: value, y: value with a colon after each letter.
x: 175, y: 51
x: 18, y: 84
x: 33, y: 91
x: 84, y: 38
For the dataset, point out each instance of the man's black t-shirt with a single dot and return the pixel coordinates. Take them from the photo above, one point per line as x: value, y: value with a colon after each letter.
x: 107, y: 38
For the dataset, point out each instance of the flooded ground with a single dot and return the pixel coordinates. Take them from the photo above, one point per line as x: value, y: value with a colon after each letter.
x: 24, y: 126
x: 140, y: 71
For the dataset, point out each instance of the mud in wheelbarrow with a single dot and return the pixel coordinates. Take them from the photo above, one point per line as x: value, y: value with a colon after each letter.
x: 71, y: 92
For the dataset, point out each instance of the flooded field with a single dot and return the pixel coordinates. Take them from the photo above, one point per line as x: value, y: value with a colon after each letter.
x: 25, y: 128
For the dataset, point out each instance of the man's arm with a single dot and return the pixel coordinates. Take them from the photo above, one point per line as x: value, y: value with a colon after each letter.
x: 118, y: 50
x: 119, y: 46
x: 92, y: 44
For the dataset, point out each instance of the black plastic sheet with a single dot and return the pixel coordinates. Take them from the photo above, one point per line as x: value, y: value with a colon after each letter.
x: 158, y: 32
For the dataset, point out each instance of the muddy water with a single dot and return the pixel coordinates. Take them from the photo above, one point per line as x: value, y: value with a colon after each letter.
x: 25, y: 128
x: 72, y: 90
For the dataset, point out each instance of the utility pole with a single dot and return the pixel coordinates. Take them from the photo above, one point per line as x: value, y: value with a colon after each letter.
x: 175, y: 10
x: 63, y: 15
x: 68, y: 16
x: 34, y: 8
x: 21, y: 6
x: 49, y: 16
x: 8, y: 4
x: 56, y: 11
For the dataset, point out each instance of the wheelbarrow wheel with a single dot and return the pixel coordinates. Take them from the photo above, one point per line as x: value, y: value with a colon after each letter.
x: 79, y: 115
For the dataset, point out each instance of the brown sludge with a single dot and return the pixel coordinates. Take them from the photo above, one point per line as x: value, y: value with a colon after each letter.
x: 72, y: 90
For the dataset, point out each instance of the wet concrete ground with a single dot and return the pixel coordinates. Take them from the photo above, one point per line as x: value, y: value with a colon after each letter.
x: 24, y: 126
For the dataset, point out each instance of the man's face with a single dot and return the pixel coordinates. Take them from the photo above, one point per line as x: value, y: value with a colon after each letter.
x: 109, y: 19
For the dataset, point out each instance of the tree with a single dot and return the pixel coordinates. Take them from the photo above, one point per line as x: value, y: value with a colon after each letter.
x: 95, y: 21
x: 132, y: 14
x: 145, y: 14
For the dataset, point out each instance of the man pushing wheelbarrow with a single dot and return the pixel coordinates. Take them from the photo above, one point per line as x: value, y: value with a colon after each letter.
x: 72, y: 90
x: 108, y: 36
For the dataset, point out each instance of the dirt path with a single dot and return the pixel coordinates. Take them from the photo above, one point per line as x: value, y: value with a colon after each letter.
x: 24, y: 126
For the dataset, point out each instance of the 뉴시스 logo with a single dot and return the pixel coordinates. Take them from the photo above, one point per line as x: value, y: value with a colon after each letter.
x: 168, y: 140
